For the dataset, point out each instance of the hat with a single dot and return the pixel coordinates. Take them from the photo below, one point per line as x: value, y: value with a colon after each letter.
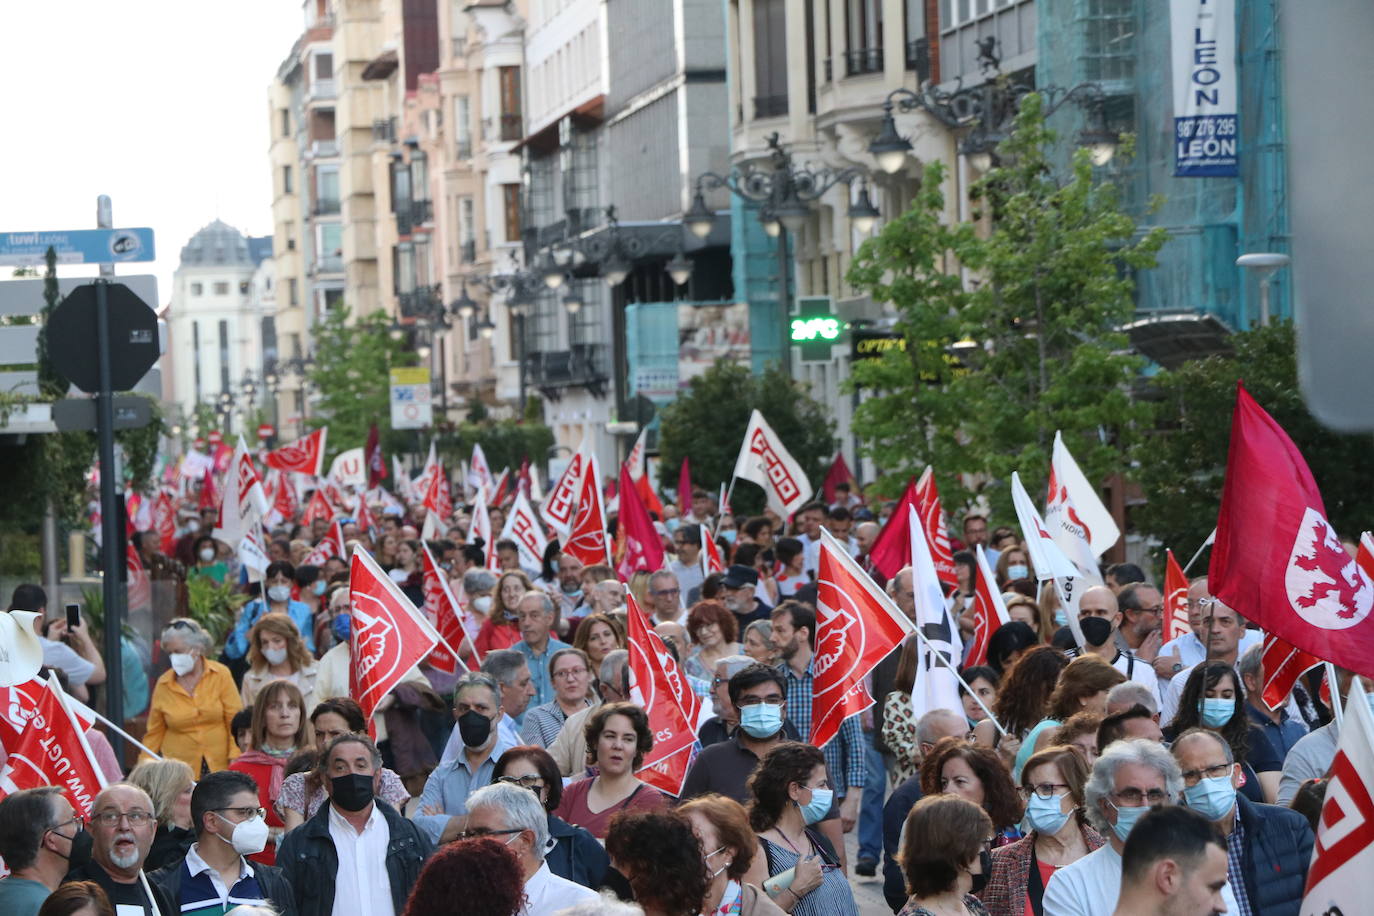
x: 21, y: 654
x: 740, y: 576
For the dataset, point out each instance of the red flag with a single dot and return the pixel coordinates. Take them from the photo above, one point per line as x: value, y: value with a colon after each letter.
x: 223, y: 455
x: 560, y: 506
x: 1282, y: 665
x: 447, y: 615
x: 318, y: 508
x: 659, y: 687
x: 305, y: 455
x: 165, y: 521
x: 711, y: 561
x: 523, y: 476
x: 588, y: 541
x: 1343, y: 855
x: 209, y: 499
x: 372, y: 452
x: 140, y: 586
x: 839, y: 473
x: 643, y: 546
x: 331, y: 545
x: 648, y: 497
x: 1175, y: 599
x: 1277, y: 560
x: 933, y: 523
x: 366, y: 523
x: 891, y: 550
x: 285, y: 501
x: 388, y: 636
x: 1364, y: 555
x: 857, y: 625
x: 989, y: 612
x: 684, y: 488
x: 437, y: 498
x: 499, y: 488
x: 52, y: 751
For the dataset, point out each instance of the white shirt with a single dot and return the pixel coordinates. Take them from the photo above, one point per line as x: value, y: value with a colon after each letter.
x: 1191, y: 650
x: 195, y: 865
x: 1091, y: 886
x: 1138, y: 671
x: 1169, y: 696
x: 362, y: 884
x: 546, y: 893
x: 60, y: 655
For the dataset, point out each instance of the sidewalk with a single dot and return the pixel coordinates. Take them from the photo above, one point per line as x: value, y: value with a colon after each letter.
x: 868, y: 892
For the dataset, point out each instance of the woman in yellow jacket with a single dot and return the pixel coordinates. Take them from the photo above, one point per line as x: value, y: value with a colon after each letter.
x: 193, y: 703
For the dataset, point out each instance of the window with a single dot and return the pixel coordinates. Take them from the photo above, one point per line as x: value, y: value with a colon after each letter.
x: 864, y: 34
x: 329, y: 246
x: 327, y: 190
x: 243, y: 287
x: 467, y: 220
x: 511, y: 198
x: 293, y: 291
x: 403, y: 268
x: 221, y: 288
x: 333, y: 298
x: 419, y: 176
x: 512, y: 121
x: 195, y: 352
x: 770, y: 58
x: 324, y: 66
x: 285, y: 115
x: 197, y: 289
x: 1109, y: 40
x: 286, y: 187
x: 269, y: 344
x: 462, y: 125
x: 224, y: 356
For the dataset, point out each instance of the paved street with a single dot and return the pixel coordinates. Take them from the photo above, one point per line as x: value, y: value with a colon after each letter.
x: 868, y: 892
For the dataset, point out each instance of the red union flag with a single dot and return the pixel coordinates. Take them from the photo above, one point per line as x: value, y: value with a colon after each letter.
x: 989, y: 612
x: 479, y: 472
x: 933, y: 523
x: 499, y: 488
x: 763, y: 460
x: 376, y: 466
x: 164, y: 520
x: 1282, y: 665
x: 1343, y: 856
x: 711, y: 561
x: 892, y: 548
x: 388, y: 636
x: 857, y: 625
x: 448, y: 616
x: 51, y: 750
x: 366, y: 523
x: 1277, y: 560
x: 522, y: 527
x: 331, y: 545
x: 305, y: 455
x: 588, y: 541
x: 318, y: 507
x: 1175, y: 599
x: 560, y: 506
x: 658, y: 686
x: 437, y: 498
x: 643, y: 548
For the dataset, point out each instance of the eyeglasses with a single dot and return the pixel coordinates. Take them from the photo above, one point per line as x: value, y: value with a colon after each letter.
x: 1157, y: 609
x: 78, y: 819
x: 1192, y: 777
x: 245, y: 813
x: 667, y: 591
x: 570, y: 672
x: 773, y: 700
x: 1134, y: 798
x: 480, y: 832
x: 1044, y: 790
x: 717, y: 681
x: 533, y: 781
x: 111, y: 818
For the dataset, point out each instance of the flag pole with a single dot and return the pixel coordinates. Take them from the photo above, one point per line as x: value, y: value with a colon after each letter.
x: 944, y: 661
x: 1205, y: 544
x: 128, y: 737
x: 1337, y: 713
x: 720, y: 510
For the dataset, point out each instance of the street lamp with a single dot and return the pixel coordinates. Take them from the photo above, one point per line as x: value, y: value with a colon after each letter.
x: 862, y: 212
x: 572, y: 301
x: 463, y: 306
x: 679, y: 268
x: 1264, y: 264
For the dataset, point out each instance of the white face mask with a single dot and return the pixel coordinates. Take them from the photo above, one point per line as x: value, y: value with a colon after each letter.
x: 182, y: 662
x: 248, y: 837
x: 279, y: 593
x: 482, y: 604
x: 274, y: 656
x: 193, y: 526
x: 207, y: 554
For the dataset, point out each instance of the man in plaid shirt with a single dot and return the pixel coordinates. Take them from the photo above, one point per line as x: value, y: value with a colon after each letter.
x: 794, y: 636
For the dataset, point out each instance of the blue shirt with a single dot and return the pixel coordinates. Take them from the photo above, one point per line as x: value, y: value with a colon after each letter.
x: 844, y: 754
x: 236, y: 646
x: 449, y: 786
x: 539, y: 671
x: 1282, y: 734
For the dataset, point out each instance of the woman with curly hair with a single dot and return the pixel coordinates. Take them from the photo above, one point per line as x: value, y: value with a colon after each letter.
x: 791, y: 791
x: 956, y: 767
x: 728, y: 845
x: 659, y: 855
x: 499, y: 631
x: 713, y: 630
x: 618, y: 737
x: 1021, y: 699
x: 1213, y: 698
x: 480, y: 875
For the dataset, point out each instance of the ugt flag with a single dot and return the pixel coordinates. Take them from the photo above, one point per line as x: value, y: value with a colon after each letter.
x: 305, y: 455
x: 449, y: 617
x: 52, y: 751
x: 387, y: 637
x: 587, y: 540
x: 763, y: 460
x: 933, y: 524
x: 1343, y: 857
x: 1175, y: 599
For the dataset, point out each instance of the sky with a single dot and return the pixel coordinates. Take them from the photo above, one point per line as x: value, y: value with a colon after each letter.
x: 162, y: 104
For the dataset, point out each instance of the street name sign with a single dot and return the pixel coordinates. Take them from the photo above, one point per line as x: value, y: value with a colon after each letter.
x: 79, y: 246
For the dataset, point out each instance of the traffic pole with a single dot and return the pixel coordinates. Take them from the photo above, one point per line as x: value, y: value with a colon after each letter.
x: 112, y: 538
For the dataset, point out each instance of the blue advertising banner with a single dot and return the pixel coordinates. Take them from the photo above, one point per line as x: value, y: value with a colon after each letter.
x: 80, y: 246
x: 1203, y: 34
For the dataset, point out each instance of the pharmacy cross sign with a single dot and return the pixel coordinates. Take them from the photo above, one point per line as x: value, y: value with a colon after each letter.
x: 814, y: 328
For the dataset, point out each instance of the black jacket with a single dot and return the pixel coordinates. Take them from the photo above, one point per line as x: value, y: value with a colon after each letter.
x: 1277, y: 850
x: 578, y: 857
x: 898, y: 806
x: 92, y: 871
x: 270, y: 878
x: 170, y: 845
x: 311, y: 864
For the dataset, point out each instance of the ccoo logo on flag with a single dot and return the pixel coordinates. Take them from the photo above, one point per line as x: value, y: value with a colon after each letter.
x: 1325, y: 586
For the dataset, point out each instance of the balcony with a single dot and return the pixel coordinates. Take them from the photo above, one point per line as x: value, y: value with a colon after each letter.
x: 384, y: 130
x: 421, y: 212
x: 401, y: 209
x: 421, y: 302
x: 512, y: 127
x: 320, y: 90
x: 770, y: 106
x: 325, y: 206
x: 863, y: 61
x: 467, y: 252
x: 582, y: 366
x: 332, y: 264
x: 320, y: 149
x: 918, y: 58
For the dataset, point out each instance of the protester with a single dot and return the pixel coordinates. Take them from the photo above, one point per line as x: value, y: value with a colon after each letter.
x: 1008, y: 643
x: 713, y: 630
x: 1136, y: 722
x: 598, y: 635
x: 1052, y: 787
x: 169, y: 783
x: 41, y: 839
x: 499, y: 630
x: 738, y: 592
x: 899, y: 719
x: 69, y: 650
x: 982, y: 680
x: 515, y: 815
x: 302, y: 794
x: 725, y: 720
x: 758, y: 642
x: 511, y: 671
x: 121, y: 828
x: 1130, y: 693
x: 570, y: 672
x: 662, y: 860
x: 1276, y: 726
x: 193, y: 702
x: 569, y: 749
x: 956, y: 767
x: 1022, y: 700
x: 1308, y: 801
x: 537, y: 616
x: 758, y: 692
x: 356, y: 848
x: 481, y: 872
x: 686, y: 564
x: 729, y: 849
x: 618, y: 737
x: 790, y: 792
x: 280, y: 729
x: 944, y: 857
x: 577, y: 855
x: 665, y: 599
x: 1174, y: 864
x: 1079, y: 732
x: 1311, y: 757
x: 277, y: 652
x: 229, y: 825
x: 1214, y: 699
x: 1227, y: 637
x: 277, y: 583
x: 1021, y: 609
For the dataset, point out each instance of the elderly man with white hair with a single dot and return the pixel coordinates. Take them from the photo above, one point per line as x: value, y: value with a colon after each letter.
x: 514, y: 816
x: 122, y: 823
x: 1132, y: 693
x: 1129, y: 779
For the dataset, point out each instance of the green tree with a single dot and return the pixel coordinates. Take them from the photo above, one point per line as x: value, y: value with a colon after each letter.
x: 707, y: 423
x: 352, y: 367
x: 1035, y: 327
x: 1181, y: 466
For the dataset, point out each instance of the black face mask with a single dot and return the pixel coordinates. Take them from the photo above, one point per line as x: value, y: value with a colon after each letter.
x: 474, y: 728
x: 980, y: 880
x: 82, y: 844
x: 352, y: 792
x: 1095, y: 630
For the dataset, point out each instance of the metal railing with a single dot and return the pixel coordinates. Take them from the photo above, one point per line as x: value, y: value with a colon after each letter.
x: 918, y: 58
x: 468, y: 251
x: 384, y: 130
x: 421, y: 212
x: 325, y: 206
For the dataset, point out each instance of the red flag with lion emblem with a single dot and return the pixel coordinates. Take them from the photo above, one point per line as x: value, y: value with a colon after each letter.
x: 659, y: 686
x: 1277, y: 560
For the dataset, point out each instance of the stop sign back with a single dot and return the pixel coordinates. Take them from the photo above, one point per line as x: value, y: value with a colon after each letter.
x: 72, y: 338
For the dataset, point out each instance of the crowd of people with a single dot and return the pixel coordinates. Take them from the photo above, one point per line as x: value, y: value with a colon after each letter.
x: 1126, y: 775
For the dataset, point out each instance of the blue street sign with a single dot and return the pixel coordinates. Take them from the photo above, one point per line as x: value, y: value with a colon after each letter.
x: 81, y: 246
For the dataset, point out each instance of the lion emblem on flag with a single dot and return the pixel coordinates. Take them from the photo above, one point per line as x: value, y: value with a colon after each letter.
x: 1325, y: 586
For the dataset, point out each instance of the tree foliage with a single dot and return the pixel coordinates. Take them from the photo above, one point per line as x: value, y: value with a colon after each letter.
x: 352, y: 367
x: 707, y: 423
x: 1182, y: 465
x: 1048, y: 283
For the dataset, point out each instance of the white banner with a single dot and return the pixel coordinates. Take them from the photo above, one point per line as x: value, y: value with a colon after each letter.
x: 1203, y: 34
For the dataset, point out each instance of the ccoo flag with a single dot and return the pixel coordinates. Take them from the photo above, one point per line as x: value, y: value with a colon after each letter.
x: 1343, y: 857
x: 763, y: 460
x: 305, y: 455
x: 1046, y: 558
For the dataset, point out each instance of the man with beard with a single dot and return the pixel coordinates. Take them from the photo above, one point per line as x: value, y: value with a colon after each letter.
x: 737, y: 593
x: 122, y: 827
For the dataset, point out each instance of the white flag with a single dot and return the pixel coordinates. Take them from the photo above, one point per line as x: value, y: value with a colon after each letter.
x: 1343, y: 857
x: 404, y: 485
x: 936, y: 686
x: 523, y: 527
x: 349, y: 470
x: 241, y: 510
x: 479, y: 472
x: 635, y: 460
x: 764, y: 461
x: 479, y: 526
x: 1049, y: 561
x: 421, y: 484
x: 1068, y: 484
x: 194, y: 465
x: 560, y: 508
x: 1066, y: 525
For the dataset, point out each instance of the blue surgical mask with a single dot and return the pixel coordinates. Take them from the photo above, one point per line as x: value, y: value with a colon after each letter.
x: 1061, y: 619
x: 729, y: 535
x: 1212, y: 798
x: 1217, y: 712
x: 319, y: 586
x: 340, y: 626
x: 1046, y: 814
x: 1018, y: 571
x: 761, y: 720
x: 818, y: 806
x: 1126, y: 818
